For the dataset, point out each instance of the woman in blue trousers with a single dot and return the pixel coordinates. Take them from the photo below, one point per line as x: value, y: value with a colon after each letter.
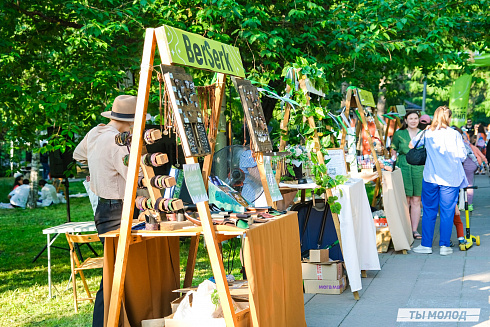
x: 443, y: 178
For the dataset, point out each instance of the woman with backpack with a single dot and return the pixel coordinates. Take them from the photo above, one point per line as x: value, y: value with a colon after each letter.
x: 412, y: 175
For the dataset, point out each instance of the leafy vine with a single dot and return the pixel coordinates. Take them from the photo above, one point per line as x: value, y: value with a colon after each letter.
x: 299, y: 130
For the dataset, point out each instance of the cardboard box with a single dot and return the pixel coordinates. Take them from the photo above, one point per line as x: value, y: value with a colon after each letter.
x: 328, y: 270
x: 175, y: 303
x: 319, y: 255
x: 160, y: 322
x: 243, y: 319
x: 326, y: 286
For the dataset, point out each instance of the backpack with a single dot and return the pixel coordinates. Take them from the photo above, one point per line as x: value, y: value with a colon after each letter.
x: 316, y: 228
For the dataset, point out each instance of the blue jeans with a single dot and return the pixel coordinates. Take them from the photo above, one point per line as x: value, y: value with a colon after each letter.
x: 434, y: 198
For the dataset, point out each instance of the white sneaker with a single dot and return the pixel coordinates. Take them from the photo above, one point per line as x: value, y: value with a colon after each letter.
x: 445, y: 250
x: 423, y: 249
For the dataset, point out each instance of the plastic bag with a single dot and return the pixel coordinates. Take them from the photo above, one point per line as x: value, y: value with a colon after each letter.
x: 199, y: 304
x: 94, y: 199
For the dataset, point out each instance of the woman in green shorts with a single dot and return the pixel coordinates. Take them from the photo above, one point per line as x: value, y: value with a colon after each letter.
x: 412, y: 175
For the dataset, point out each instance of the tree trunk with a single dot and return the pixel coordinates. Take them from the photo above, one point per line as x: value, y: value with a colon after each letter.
x: 33, y: 192
x: 381, y: 105
x: 268, y: 104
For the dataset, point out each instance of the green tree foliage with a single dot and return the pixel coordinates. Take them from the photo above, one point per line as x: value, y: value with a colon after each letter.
x: 61, y: 60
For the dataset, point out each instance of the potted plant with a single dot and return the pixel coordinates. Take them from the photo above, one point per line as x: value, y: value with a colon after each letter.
x: 295, y: 161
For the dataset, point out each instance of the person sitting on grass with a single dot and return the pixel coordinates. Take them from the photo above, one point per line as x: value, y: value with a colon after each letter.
x: 18, y: 197
x: 17, y: 181
x: 48, y: 194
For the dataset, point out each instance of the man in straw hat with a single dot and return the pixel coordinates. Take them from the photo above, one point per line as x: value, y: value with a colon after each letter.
x: 107, y: 173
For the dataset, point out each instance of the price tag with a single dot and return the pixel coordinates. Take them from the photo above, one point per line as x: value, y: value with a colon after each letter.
x: 194, y: 182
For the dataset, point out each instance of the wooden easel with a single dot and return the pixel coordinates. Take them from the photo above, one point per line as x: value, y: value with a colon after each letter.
x: 259, y: 154
x: 353, y: 101
x: 154, y: 37
x: 213, y: 130
x: 321, y: 160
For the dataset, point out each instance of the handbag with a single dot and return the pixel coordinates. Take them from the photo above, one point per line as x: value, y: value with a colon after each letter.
x: 417, y: 156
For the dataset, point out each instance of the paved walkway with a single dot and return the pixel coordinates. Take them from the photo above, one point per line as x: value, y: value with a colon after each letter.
x: 460, y: 280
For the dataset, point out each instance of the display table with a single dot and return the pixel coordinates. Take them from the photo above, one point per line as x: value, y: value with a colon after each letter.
x: 286, y: 188
x: 272, y: 260
x: 365, y: 176
x: 357, y: 231
x: 396, y: 210
x: 72, y: 227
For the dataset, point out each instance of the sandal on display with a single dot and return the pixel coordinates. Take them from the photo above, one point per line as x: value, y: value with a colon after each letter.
x: 416, y: 235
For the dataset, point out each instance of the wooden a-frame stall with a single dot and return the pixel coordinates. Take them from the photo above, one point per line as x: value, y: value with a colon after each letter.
x: 153, y: 38
x: 353, y: 100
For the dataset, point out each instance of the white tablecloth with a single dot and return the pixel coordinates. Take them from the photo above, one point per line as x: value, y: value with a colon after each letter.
x: 71, y: 227
x: 306, y: 186
x: 357, y: 231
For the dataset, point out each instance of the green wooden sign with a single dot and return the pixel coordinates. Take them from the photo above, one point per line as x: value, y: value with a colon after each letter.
x: 194, y: 182
x: 366, y: 98
x: 401, y: 109
x: 193, y: 50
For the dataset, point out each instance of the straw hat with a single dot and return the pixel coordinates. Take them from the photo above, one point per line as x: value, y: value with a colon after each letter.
x: 123, y: 109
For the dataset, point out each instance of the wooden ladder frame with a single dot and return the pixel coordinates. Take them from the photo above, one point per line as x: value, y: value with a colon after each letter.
x: 353, y: 101
x: 152, y: 38
x: 321, y: 160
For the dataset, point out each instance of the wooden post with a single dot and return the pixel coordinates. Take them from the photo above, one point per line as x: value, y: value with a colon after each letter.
x: 347, y: 114
x: 259, y: 158
x: 215, y: 258
x: 191, y: 261
x: 328, y: 192
x: 132, y: 179
x: 373, y: 150
x: 282, y: 142
x: 380, y: 132
x: 215, y: 113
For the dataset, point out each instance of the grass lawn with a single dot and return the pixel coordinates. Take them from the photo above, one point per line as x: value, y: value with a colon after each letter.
x: 24, y: 285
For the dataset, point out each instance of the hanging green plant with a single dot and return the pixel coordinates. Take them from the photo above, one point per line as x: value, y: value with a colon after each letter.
x: 299, y: 130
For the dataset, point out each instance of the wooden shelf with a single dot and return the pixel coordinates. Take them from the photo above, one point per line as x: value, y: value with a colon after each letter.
x: 192, y: 231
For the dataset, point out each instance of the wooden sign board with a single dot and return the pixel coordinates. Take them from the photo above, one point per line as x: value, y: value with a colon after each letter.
x: 187, y: 113
x: 366, y: 98
x: 193, y: 50
x: 195, y: 184
x: 254, y: 115
x: 401, y: 109
x: 336, y: 165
